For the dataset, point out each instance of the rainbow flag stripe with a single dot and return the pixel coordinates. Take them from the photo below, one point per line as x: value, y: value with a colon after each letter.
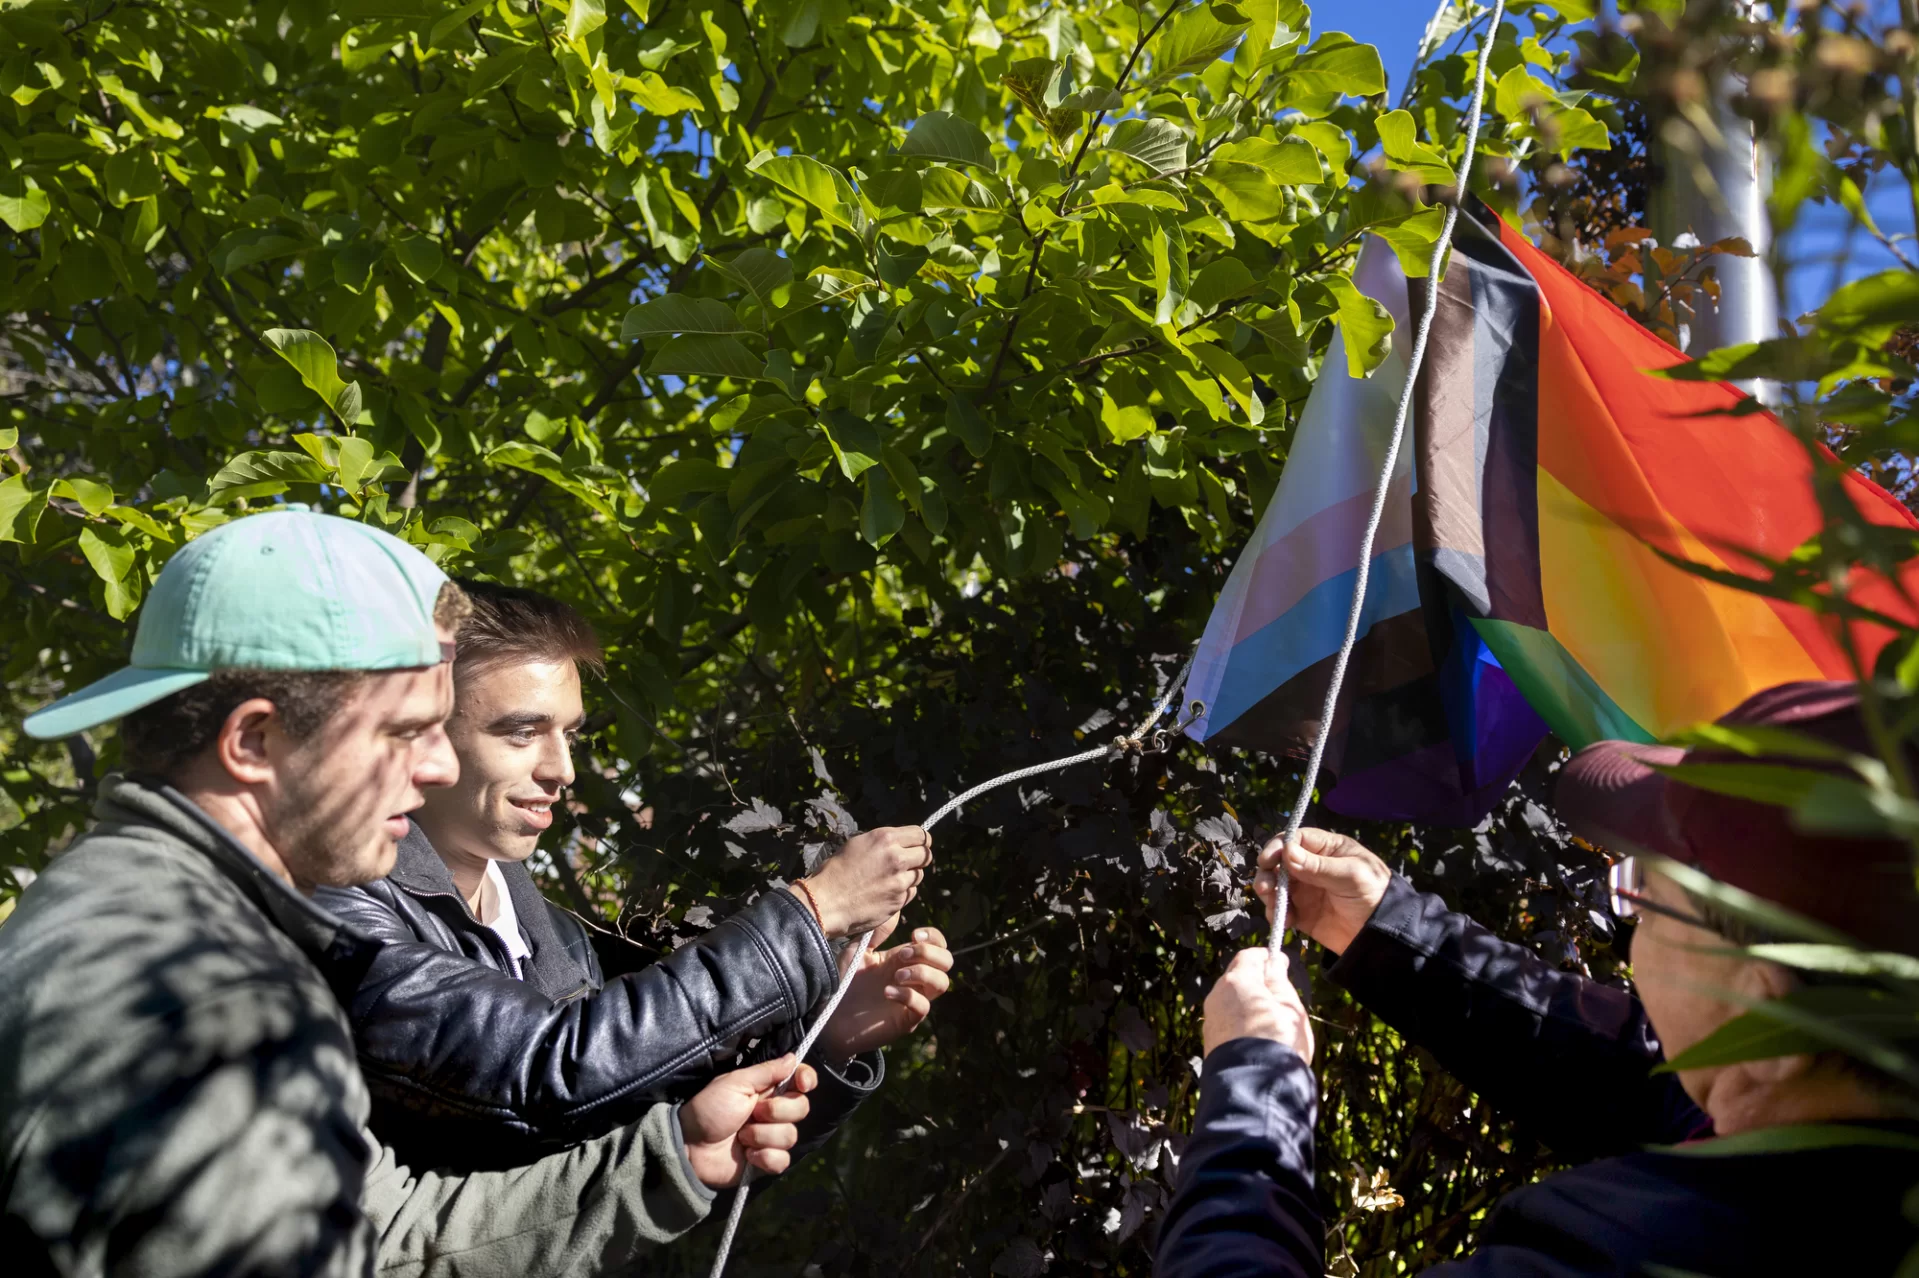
x: 1516, y: 582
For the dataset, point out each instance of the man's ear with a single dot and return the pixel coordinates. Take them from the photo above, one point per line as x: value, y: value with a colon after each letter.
x: 247, y: 737
x: 1761, y: 981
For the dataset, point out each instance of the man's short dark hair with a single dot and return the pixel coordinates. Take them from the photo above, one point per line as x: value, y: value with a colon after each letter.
x: 509, y: 623
x: 163, y: 737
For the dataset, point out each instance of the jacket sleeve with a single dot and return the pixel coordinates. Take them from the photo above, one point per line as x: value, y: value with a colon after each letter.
x: 844, y: 1086
x: 587, y: 1210
x: 1567, y: 1057
x: 1245, y: 1203
x: 448, y: 1038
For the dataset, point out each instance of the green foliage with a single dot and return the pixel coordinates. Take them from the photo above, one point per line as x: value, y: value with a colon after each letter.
x: 814, y: 348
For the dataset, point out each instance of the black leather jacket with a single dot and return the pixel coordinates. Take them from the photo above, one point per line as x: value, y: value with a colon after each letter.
x: 471, y: 1067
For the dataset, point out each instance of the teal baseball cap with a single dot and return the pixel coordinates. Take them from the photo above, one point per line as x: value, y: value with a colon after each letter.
x: 286, y: 589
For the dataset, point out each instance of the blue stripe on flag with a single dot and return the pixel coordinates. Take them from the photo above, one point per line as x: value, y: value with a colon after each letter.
x: 1310, y: 631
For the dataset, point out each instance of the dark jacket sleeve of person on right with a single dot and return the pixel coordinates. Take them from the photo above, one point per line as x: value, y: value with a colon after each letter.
x: 1569, y: 1059
x: 1246, y: 1205
x: 452, y: 1042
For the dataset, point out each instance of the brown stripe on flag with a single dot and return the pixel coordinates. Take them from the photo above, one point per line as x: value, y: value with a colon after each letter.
x: 1449, y: 433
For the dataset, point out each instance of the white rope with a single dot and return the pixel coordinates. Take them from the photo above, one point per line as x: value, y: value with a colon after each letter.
x: 1118, y: 745
x: 1311, y: 776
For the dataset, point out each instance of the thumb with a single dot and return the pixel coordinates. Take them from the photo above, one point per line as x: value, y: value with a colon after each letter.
x: 1316, y: 858
x: 765, y: 1076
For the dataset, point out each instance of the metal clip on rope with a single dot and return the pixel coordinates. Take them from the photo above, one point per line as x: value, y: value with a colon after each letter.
x: 1117, y: 746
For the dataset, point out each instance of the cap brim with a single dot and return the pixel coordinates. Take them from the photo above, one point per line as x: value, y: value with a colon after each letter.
x: 104, y: 700
x: 1612, y: 794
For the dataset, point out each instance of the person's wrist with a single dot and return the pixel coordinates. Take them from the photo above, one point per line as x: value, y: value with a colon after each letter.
x: 819, y: 901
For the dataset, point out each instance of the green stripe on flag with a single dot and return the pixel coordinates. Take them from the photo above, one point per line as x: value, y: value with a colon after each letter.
x: 1575, y: 707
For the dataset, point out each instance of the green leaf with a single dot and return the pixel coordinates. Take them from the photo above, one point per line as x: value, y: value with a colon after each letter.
x: 265, y: 470
x: 112, y: 557
x: 453, y: 23
x: 1037, y: 83
x: 1366, y: 325
x: 93, y: 497
x: 802, y: 24
x: 1222, y: 278
x: 1519, y: 91
x: 820, y: 185
x: 20, y: 509
x: 881, y: 514
x: 1171, y: 270
x: 944, y: 188
x: 313, y: 359
x: 1246, y: 193
x: 678, y: 313
x: 1195, y: 39
x: 1864, y: 1023
x: 23, y: 205
x: 1337, y: 64
x: 1840, y: 959
x: 1124, y: 424
x: 898, y: 267
x: 1233, y: 375
x: 239, y: 249
x: 584, y: 17
x: 353, y: 264
x: 1399, y: 140
x: 964, y: 420
x: 941, y: 135
x: 855, y: 444
x: 706, y: 355
x: 494, y: 70
x: 1412, y: 238
x: 1872, y: 309
x: 1741, y: 904
x: 1158, y: 143
x: 419, y: 257
x: 676, y: 480
x: 759, y: 271
x: 656, y: 97
x: 1288, y: 161
x: 139, y: 519
x: 1771, y: 783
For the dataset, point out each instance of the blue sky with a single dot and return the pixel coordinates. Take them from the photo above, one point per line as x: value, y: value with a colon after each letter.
x: 1818, y: 244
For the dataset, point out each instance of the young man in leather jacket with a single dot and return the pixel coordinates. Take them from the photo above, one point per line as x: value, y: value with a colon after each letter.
x: 178, y: 1095
x: 1790, y: 1165
x: 485, y: 1027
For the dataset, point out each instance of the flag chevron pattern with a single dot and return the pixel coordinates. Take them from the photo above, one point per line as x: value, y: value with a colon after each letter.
x: 1518, y: 585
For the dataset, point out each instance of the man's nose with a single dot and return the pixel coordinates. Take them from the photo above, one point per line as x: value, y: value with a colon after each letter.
x: 556, y: 762
x: 438, y: 764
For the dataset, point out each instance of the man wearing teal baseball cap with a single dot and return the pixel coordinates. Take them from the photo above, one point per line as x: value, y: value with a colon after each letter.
x: 178, y: 1092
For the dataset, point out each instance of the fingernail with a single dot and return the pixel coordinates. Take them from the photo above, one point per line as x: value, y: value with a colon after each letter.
x: 893, y: 992
x: 904, y: 975
x: 906, y: 952
x: 920, y: 935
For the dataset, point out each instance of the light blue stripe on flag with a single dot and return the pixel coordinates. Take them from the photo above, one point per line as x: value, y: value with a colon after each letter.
x: 1310, y: 631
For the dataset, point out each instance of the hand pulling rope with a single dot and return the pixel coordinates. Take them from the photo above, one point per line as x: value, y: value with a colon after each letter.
x: 1121, y: 745
x: 1311, y: 776
x: 1118, y: 745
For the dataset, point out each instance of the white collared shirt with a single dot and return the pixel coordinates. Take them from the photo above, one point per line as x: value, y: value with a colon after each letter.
x: 496, y: 912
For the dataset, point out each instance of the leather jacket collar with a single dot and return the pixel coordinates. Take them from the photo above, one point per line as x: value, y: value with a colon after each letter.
x: 420, y: 873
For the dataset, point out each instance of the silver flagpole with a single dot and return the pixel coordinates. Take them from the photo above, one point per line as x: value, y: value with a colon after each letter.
x: 1714, y: 195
